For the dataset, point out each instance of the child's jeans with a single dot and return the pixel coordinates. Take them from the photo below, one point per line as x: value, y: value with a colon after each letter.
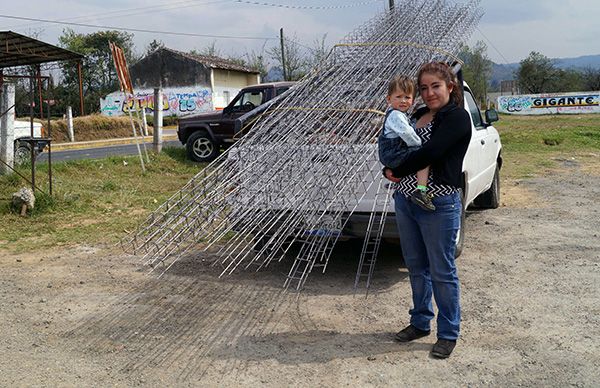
x: 393, y: 151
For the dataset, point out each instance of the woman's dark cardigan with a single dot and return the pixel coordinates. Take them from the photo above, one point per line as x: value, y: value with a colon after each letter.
x: 445, y: 150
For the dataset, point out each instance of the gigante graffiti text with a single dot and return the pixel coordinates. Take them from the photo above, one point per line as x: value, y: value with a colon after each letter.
x: 550, y: 103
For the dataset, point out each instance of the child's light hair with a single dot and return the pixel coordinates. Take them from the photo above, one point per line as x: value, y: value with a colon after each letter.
x: 403, y: 84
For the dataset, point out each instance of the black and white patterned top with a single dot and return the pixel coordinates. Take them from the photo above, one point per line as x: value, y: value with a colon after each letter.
x: 408, y: 184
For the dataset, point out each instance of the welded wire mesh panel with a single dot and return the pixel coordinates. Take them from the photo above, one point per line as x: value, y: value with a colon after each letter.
x: 307, y: 161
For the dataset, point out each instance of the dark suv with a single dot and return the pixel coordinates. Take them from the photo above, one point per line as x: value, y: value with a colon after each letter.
x: 204, y: 134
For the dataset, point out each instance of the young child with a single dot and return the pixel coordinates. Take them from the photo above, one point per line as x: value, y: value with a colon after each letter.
x: 398, y: 138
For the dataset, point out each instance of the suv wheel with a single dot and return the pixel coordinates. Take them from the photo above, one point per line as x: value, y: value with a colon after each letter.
x: 22, y: 154
x: 201, y: 147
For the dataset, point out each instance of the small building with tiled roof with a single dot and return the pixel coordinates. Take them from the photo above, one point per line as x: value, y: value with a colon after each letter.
x: 191, y: 83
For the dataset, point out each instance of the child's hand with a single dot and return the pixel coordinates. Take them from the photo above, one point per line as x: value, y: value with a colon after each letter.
x: 390, y: 175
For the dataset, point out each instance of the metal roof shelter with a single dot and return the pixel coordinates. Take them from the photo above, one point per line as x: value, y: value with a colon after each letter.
x: 20, y: 50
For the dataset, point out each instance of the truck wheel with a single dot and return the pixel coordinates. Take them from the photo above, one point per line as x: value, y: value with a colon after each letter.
x: 490, y: 199
x: 201, y: 147
x: 22, y: 154
x: 461, y: 231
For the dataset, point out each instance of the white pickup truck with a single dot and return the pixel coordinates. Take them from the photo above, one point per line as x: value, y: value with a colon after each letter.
x: 22, y: 130
x: 481, y: 175
x: 480, y: 180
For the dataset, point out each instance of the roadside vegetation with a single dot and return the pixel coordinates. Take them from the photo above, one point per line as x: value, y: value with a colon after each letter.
x: 99, y: 201
x: 97, y: 126
x: 94, y: 201
x: 536, y: 145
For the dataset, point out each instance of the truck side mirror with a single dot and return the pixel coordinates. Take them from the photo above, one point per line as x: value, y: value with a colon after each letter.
x: 491, y: 116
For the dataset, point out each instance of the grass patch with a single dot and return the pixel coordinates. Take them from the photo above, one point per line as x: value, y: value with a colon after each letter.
x: 94, y: 201
x: 534, y: 145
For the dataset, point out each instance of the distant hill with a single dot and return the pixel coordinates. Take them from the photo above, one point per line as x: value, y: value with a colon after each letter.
x: 579, y: 62
x: 506, y: 72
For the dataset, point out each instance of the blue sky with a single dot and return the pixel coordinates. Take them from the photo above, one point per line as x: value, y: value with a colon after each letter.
x: 511, y: 29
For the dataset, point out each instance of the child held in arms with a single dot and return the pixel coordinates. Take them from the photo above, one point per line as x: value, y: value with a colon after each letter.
x: 398, y: 138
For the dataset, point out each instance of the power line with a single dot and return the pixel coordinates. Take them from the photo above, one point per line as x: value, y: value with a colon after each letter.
x: 137, y: 29
x: 494, y: 47
x: 311, y: 7
x: 128, y: 11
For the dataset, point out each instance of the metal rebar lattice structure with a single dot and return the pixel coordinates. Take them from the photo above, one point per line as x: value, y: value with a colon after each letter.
x: 307, y: 161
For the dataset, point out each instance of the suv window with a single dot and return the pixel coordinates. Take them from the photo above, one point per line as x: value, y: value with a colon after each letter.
x: 250, y: 98
x: 278, y: 91
x: 474, y: 110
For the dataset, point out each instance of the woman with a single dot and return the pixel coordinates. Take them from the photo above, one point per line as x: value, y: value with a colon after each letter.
x: 428, y: 238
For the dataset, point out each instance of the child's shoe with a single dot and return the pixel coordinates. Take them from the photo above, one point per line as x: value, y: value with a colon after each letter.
x: 422, y: 199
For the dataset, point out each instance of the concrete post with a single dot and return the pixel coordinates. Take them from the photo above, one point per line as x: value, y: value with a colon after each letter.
x: 70, y: 124
x: 144, y: 122
x: 7, y: 127
x: 157, y: 140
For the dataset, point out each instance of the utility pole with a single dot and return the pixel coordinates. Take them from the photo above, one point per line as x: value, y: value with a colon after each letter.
x: 391, y: 5
x: 285, y: 76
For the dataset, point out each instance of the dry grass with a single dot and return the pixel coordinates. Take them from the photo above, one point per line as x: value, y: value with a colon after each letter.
x: 91, y: 127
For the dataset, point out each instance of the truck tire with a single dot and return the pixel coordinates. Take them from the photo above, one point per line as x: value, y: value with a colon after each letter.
x: 201, y: 147
x: 490, y: 199
x: 22, y: 154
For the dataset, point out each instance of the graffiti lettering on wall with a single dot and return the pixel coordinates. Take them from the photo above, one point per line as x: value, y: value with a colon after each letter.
x: 550, y: 103
x: 545, y: 102
x: 514, y: 104
x: 176, y: 101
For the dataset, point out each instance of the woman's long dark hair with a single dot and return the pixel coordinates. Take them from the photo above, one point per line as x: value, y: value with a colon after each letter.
x: 444, y: 72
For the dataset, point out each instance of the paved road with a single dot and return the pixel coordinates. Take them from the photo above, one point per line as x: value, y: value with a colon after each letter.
x: 100, y: 152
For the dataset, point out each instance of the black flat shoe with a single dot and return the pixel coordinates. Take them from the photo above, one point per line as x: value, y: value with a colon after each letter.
x: 410, y: 333
x: 443, y: 348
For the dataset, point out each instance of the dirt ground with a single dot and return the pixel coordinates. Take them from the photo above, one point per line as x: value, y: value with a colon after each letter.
x: 530, y: 278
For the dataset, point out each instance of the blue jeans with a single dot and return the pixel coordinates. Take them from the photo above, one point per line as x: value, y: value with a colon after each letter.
x: 393, y: 151
x: 428, y: 245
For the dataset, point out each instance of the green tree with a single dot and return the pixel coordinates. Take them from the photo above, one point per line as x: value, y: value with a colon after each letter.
x: 319, y: 52
x: 569, y: 80
x: 154, y: 45
x: 257, y: 60
x: 99, y: 74
x: 477, y: 70
x: 210, y: 50
x: 296, y: 63
x: 537, y: 74
x: 591, y: 79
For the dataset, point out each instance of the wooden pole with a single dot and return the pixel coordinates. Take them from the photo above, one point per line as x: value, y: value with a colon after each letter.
x: 391, y: 5
x: 285, y: 75
x: 79, y: 71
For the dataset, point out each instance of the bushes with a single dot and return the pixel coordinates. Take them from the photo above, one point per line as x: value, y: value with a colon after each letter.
x: 91, y: 127
x: 167, y: 120
x: 96, y: 127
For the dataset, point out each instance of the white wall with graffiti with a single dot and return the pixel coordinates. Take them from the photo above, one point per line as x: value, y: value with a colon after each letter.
x: 176, y: 101
x: 555, y: 103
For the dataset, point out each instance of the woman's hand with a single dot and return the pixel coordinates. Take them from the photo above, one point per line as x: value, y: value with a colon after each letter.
x: 390, y: 175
